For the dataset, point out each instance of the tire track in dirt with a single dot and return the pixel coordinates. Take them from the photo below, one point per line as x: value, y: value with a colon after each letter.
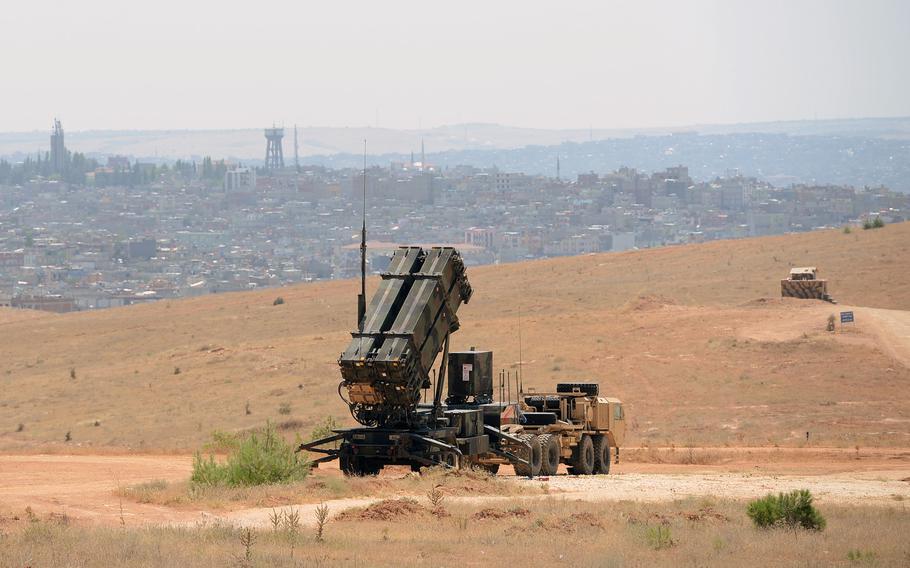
x: 892, y: 328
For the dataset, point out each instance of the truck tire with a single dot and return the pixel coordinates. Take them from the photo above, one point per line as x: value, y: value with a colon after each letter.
x: 549, y: 446
x: 368, y: 467
x: 354, y: 465
x: 583, y: 457
x: 533, y: 456
x: 491, y: 468
x: 345, y: 463
x: 602, y: 456
x: 450, y: 459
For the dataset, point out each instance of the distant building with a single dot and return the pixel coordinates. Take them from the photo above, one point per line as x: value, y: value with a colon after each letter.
x: 480, y: 236
x: 118, y: 162
x: 240, y: 179
x: 13, y: 259
x: 142, y: 249
x: 57, y: 304
x: 58, y: 149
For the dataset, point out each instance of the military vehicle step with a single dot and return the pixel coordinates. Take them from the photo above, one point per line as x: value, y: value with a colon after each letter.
x: 590, y: 389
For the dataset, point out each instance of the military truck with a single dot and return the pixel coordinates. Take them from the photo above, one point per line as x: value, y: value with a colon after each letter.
x: 388, y: 375
x: 803, y: 282
x: 574, y: 426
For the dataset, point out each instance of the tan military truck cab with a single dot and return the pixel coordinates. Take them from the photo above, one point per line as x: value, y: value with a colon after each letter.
x: 573, y: 425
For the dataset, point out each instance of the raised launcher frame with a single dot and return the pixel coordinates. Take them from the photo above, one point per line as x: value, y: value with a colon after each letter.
x: 407, y: 323
x: 388, y: 363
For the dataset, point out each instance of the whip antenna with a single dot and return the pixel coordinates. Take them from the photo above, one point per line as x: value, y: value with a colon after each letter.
x: 520, y: 376
x: 362, y: 298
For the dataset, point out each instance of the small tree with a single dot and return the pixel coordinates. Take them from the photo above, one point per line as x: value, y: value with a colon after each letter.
x: 878, y: 223
x: 792, y: 510
x: 324, y: 429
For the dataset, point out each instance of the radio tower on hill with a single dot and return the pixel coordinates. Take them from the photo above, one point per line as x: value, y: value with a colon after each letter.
x: 274, y: 155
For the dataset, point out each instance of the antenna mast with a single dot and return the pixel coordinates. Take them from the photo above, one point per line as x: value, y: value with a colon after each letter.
x: 520, y: 377
x: 296, y: 162
x: 362, y: 298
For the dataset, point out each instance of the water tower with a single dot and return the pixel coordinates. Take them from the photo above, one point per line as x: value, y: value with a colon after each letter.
x: 274, y: 156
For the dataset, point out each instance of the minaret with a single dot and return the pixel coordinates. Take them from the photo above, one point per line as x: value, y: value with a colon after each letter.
x: 58, y: 149
x: 423, y: 156
x: 557, y: 167
x: 296, y: 151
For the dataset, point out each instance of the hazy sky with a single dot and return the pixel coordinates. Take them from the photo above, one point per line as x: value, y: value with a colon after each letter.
x: 223, y: 64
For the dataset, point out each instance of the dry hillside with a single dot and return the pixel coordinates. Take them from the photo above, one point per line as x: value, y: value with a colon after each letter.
x: 693, y: 338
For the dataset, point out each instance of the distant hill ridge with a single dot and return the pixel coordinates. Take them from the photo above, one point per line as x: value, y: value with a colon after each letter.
x: 859, y: 152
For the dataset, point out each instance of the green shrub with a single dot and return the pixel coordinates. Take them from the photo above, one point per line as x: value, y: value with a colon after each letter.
x: 324, y: 429
x: 847, y: 229
x: 792, y: 510
x: 857, y: 556
x: 876, y: 223
x: 659, y: 537
x: 259, y: 458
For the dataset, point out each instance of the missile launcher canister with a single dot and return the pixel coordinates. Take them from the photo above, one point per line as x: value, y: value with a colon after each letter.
x: 405, y: 326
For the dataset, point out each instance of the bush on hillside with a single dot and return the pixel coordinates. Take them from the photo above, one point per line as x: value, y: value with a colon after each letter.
x: 258, y: 458
x: 876, y: 223
x: 325, y: 428
x: 792, y: 510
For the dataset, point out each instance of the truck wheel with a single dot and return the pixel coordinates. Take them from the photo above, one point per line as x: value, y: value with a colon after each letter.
x: 601, y: 455
x: 346, y: 463
x: 450, y: 459
x: 583, y: 457
x: 549, y: 445
x: 491, y: 468
x: 368, y: 467
x: 533, y: 456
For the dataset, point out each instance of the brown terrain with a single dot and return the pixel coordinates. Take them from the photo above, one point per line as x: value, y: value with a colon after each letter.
x: 694, y: 339
x: 722, y: 380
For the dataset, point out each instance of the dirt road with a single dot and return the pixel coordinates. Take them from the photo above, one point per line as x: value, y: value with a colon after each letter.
x: 892, y: 328
x: 84, y: 487
x: 860, y: 489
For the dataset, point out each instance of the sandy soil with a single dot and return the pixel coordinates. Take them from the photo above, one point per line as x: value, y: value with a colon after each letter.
x: 892, y: 328
x: 695, y: 340
x: 83, y: 487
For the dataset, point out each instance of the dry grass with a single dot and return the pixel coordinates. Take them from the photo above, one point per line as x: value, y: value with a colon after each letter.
x: 547, y: 532
x: 683, y: 456
x: 319, y: 488
x: 660, y: 328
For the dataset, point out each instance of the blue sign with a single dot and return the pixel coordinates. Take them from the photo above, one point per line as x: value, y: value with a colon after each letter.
x: 846, y: 317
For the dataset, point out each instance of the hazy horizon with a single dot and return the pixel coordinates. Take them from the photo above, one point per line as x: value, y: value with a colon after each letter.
x: 404, y: 65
